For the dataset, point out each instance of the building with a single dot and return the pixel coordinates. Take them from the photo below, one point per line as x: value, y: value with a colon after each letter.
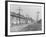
x: 20, y: 19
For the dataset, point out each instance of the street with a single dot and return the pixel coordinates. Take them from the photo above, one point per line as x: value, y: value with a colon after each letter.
x: 26, y: 27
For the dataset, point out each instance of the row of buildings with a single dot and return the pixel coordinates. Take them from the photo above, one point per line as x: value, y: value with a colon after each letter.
x: 20, y: 19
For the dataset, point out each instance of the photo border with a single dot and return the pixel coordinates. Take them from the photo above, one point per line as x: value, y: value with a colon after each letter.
x: 6, y: 18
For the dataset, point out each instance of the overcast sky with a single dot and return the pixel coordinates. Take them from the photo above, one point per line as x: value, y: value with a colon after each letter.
x: 30, y: 10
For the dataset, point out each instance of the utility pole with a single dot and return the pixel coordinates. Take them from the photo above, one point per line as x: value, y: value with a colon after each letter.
x: 37, y: 18
x: 19, y: 13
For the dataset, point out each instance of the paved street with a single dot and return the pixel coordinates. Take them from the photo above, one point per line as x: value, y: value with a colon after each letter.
x: 26, y: 27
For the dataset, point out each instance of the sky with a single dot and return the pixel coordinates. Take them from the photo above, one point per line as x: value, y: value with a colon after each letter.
x: 30, y: 10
